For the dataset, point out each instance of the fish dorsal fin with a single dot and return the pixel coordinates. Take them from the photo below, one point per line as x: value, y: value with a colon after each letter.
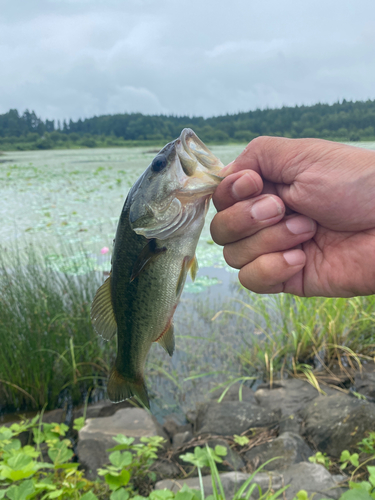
x: 149, y: 253
x: 193, y: 267
x: 102, y: 315
x: 167, y: 340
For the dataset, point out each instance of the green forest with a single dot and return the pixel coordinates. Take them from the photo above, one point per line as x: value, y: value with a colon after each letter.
x: 342, y: 121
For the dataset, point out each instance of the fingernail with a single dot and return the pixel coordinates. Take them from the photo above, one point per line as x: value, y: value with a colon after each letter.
x: 266, y: 209
x: 243, y: 187
x: 227, y: 169
x: 294, y: 257
x: 300, y: 225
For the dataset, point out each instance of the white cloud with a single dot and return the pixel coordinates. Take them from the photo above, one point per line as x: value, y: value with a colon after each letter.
x: 71, y: 59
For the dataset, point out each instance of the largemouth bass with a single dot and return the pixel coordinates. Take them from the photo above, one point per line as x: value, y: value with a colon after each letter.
x: 154, y: 249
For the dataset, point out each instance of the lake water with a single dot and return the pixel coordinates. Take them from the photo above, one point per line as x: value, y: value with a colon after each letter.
x: 68, y: 202
x: 72, y: 199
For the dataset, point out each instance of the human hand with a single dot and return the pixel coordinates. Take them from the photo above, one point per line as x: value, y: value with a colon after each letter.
x: 325, y: 245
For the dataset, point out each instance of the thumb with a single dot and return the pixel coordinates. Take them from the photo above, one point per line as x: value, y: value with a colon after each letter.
x: 276, y: 159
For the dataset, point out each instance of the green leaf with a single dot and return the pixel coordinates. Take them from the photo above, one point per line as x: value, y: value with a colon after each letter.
x: 20, y: 461
x: 22, y: 491
x: 161, y: 494
x: 220, y: 450
x: 3, y: 493
x: 115, y: 482
x: 363, y: 485
x: 121, y: 460
x: 345, y: 456
x: 302, y: 495
x: 241, y: 440
x: 121, y: 439
x: 356, y: 495
x: 184, y: 495
x: 55, y: 494
x: 60, y: 453
x: 120, y: 494
x: 78, y: 423
x: 90, y: 496
x: 5, y: 433
x: 354, y: 459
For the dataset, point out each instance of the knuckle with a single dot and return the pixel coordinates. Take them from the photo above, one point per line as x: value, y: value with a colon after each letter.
x: 230, y: 256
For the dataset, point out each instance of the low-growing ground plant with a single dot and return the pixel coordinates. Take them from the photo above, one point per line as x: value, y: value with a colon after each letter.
x: 25, y: 474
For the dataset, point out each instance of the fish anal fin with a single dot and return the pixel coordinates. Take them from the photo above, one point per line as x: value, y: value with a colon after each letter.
x: 102, y: 314
x: 149, y: 253
x: 120, y: 388
x: 166, y: 340
x: 193, y: 267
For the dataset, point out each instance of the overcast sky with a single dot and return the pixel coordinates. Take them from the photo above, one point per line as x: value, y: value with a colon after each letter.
x: 79, y: 58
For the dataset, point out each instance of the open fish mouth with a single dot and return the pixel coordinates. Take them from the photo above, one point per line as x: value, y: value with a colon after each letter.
x: 193, y: 153
x: 200, y: 166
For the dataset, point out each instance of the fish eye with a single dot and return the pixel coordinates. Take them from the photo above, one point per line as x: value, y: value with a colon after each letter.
x: 158, y: 163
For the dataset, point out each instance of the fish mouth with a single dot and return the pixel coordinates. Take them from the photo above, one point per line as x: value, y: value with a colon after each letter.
x: 199, y: 164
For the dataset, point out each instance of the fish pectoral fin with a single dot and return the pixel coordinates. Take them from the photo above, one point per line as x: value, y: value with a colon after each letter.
x: 166, y: 340
x: 187, y: 264
x: 120, y: 388
x: 193, y: 267
x: 102, y: 314
x: 149, y: 253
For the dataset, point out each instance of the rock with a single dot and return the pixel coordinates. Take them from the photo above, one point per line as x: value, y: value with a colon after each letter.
x: 230, y: 417
x: 292, y: 423
x: 181, y: 438
x: 102, y: 408
x: 365, y: 383
x: 313, y: 478
x: 233, y: 393
x: 338, y: 423
x: 165, y: 469
x: 97, y: 435
x: 174, y: 424
x: 92, y: 455
x: 289, y: 395
x: 191, y: 416
x: 231, y: 461
x: 231, y: 482
x: 54, y: 416
x: 289, y: 446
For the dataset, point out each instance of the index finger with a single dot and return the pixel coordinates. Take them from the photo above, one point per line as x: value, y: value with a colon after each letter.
x: 237, y: 187
x: 279, y: 159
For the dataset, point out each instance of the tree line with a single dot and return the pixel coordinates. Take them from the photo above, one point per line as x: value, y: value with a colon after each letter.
x: 346, y: 121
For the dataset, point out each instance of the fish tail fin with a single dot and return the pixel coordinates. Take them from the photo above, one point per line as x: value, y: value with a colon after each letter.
x: 120, y: 388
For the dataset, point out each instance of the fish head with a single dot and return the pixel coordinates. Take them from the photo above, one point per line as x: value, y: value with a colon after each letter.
x: 175, y: 188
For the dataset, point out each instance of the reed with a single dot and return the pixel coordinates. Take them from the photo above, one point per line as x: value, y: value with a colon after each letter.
x: 299, y: 335
x: 49, y: 351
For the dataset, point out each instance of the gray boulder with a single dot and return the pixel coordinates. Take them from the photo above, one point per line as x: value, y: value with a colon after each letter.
x: 231, y: 461
x: 233, y: 393
x: 164, y: 468
x: 97, y: 435
x: 181, y: 438
x: 313, y: 478
x: 230, y: 417
x: 365, y: 383
x: 289, y: 396
x: 231, y: 482
x: 338, y: 423
x: 289, y: 446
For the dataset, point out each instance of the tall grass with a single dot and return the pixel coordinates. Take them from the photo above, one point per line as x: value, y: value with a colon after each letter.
x: 48, y: 349
x: 299, y: 334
